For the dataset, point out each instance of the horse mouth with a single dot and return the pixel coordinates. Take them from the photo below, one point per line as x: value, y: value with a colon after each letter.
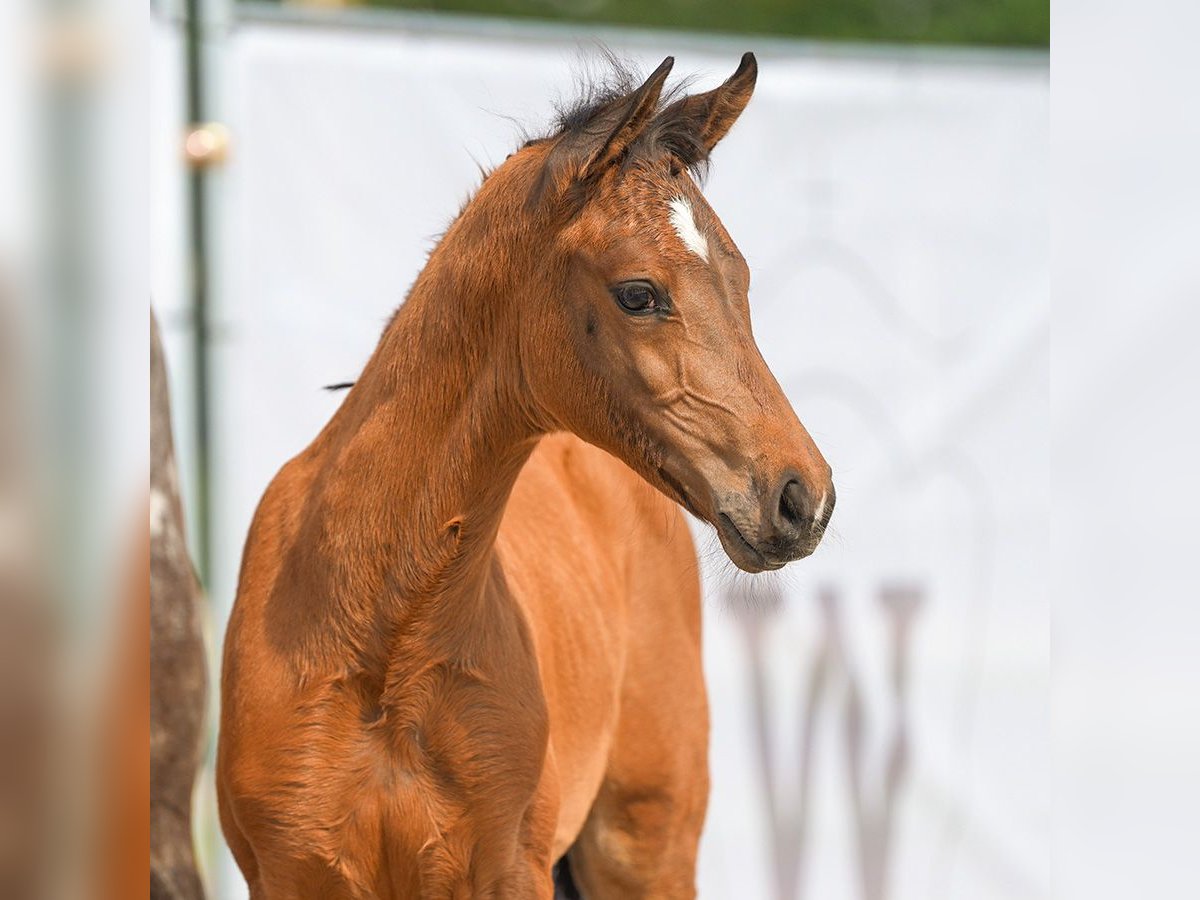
x: 745, y: 555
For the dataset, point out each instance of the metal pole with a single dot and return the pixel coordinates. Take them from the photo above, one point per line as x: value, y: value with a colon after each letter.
x: 198, y: 219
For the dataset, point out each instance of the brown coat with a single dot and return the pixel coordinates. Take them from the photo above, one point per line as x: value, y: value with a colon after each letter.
x: 465, y: 641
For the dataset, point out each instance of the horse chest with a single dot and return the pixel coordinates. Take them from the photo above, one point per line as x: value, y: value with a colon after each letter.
x: 422, y: 794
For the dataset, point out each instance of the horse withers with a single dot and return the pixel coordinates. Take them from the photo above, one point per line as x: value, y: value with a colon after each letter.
x: 466, y: 640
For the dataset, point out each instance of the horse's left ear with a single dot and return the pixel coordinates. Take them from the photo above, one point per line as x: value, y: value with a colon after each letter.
x: 581, y: 156
x: 710, y: 115
x: 610, y: 132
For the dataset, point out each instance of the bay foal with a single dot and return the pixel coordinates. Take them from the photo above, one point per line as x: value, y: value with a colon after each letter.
x: 467, y: 632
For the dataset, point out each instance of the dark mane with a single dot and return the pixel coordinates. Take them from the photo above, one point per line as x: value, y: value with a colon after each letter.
x: 596, y: 87
x: 670, y: 135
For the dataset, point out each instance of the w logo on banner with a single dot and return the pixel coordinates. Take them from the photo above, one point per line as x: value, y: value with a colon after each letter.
x: 833, y: 694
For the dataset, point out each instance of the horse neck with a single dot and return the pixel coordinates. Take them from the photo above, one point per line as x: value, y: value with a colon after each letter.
x: 418, y: 464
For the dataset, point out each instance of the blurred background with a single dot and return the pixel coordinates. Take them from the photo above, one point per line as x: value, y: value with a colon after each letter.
x: 879, y: 713
x: 879, y: 727
x: 881, y: 721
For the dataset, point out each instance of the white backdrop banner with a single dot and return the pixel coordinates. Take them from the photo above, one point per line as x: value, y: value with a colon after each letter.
x: 879, y: 712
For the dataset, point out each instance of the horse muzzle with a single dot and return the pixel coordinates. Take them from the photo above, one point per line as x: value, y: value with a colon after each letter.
x: 781, y: 525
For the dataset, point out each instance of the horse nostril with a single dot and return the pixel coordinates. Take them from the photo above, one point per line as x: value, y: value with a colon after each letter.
x: 792, y: 503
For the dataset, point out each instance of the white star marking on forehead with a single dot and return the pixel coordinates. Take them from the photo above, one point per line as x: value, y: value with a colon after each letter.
x: 685, y: 226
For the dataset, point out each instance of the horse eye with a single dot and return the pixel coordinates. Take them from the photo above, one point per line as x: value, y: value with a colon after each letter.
x: 637, y: 297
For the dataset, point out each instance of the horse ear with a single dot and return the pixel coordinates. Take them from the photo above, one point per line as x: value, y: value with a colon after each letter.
x: 610, y: 132
x: 584, y: 155
x: 710, y: 115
